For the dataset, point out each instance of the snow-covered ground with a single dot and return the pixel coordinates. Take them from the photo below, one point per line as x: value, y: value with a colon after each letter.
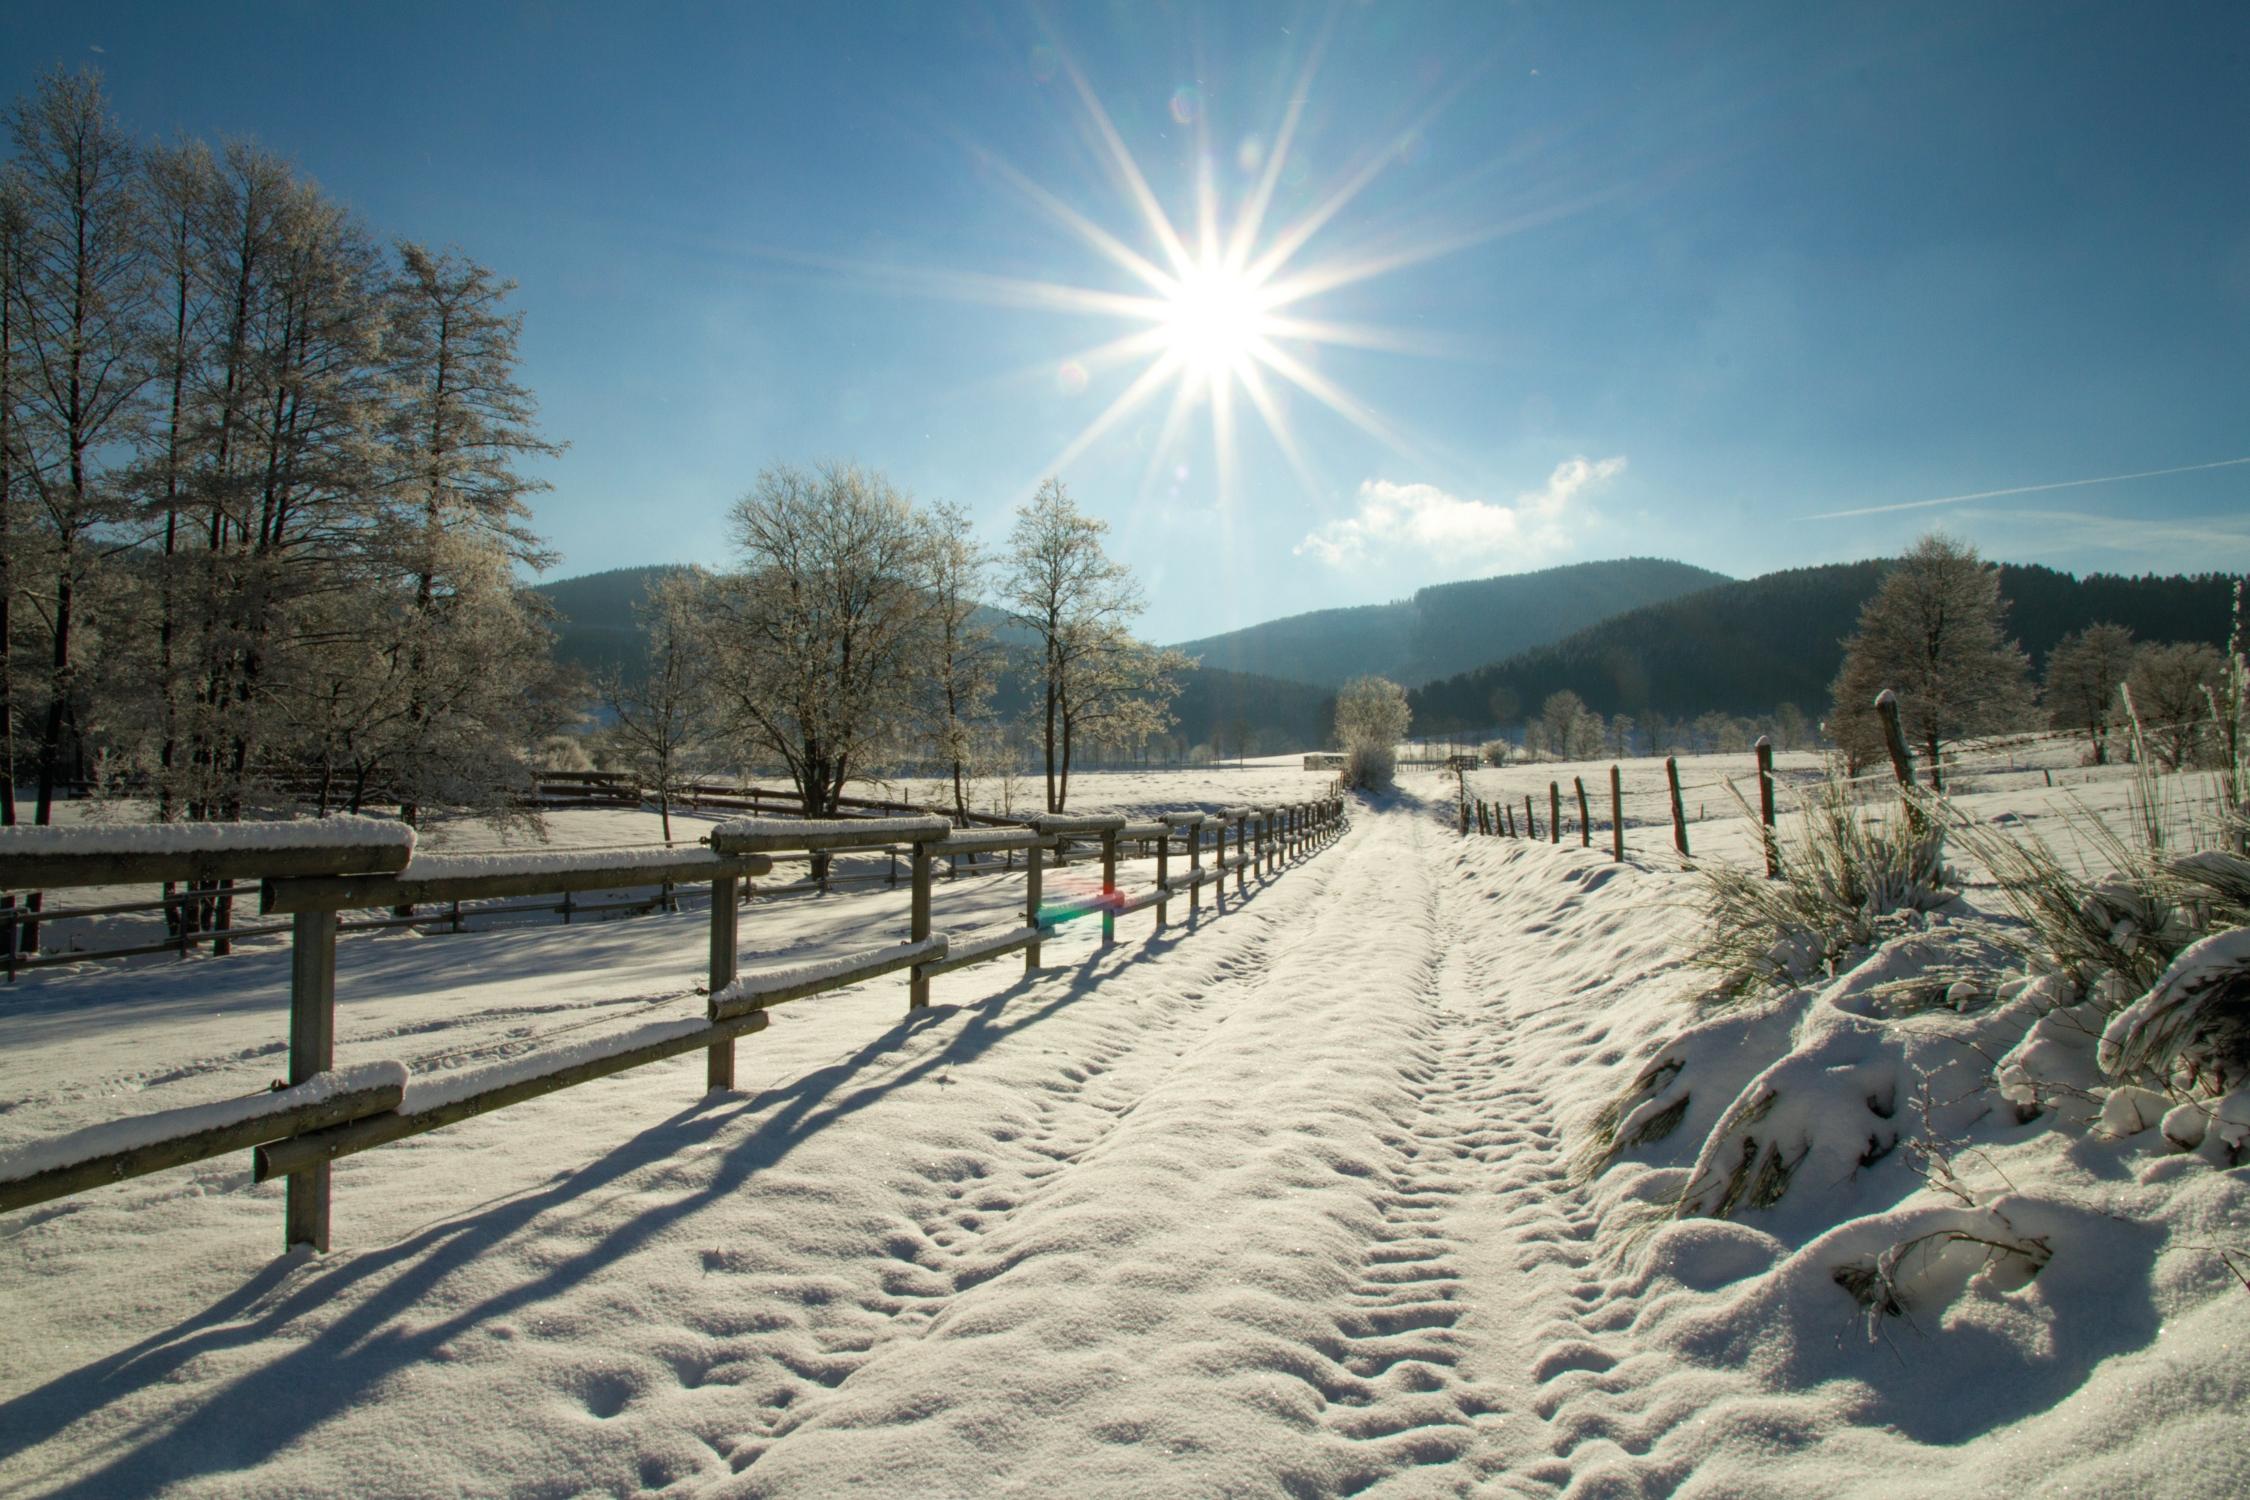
x: 1292, y: 1201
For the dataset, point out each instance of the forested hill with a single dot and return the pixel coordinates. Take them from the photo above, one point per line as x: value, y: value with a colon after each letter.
x: 1448, y: 627
x: 1743, y: 648
x: 594, y: 626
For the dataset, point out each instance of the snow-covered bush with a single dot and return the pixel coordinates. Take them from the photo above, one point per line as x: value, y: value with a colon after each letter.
x: 1844, y: 868
x: 1371, y: 718
x: 2192, y: 1027
x: 1495, y: 752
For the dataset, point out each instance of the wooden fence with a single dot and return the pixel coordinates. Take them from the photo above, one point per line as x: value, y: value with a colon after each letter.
x: 310, y: 872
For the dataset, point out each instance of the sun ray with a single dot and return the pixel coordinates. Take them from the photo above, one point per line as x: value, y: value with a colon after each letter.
x: 1134, y: 396
x: 1330, y: 395
x: 1100, y: 239
x: 1128, y: 170
x: 1277, y: 424
x: 1252, y: 218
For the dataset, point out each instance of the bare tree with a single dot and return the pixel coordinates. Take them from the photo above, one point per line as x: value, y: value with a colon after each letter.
x: 964, y: 657
x: 816, y: 641
x: 1114, y: 690
x: 658, y: 717
x: 461, y: 428
x: 2084, y: 672
x: 14, y: 228
x: 1064, y: 586
x: 80, y: 299
x: 2173, y: 686
x: 1934, y: 632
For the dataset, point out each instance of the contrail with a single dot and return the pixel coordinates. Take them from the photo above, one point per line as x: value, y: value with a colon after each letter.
x: 2021, y: 489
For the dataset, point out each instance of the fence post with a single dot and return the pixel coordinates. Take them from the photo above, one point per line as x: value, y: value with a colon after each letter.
x: 1616, y: 813
x: 718, y: 1061
x: 1034, y: 859
x: 1109, y: 887
x: 1195, y: 869
x: 1163, y: 868
x: 312, y: 1051
x: 1554, y: 813
x: 1241, y: 852
x: 1894, y: 740
x: 1530, y: 818
x: 1510, y: 814
x: 918, y: 924
x: 1585, y: 818
x: 1679, y: 811
x: 1764, y: 748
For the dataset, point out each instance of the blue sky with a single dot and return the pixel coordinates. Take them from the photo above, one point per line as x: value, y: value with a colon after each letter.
x: 1679, y: 281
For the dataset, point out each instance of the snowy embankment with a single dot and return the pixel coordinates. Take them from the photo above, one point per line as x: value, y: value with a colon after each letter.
x: 1292, y: 1202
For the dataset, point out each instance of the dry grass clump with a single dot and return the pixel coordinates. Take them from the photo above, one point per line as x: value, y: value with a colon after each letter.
x: 1844, y: 868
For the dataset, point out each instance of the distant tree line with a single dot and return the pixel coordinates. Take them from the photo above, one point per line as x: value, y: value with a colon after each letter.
x: 261, y: 495
x: 849, y: 639
x: 1766, y: 652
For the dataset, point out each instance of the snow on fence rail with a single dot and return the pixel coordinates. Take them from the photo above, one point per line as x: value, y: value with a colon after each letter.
x: 311, y: 871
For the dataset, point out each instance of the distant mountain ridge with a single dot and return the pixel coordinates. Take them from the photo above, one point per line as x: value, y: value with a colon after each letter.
x: 1745, y: 647
x: 1449, y: 627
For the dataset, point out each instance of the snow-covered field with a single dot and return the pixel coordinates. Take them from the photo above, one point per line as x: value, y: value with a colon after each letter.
x: 1294, y: 1201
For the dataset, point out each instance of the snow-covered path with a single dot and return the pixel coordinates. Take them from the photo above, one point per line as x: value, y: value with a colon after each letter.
x: 1279, y: 1204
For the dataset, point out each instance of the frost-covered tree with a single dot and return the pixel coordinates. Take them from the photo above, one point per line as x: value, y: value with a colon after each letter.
x: 659, y: 718
x: 2173, y: 686
x: 2084, y: 672
x: 1061, y: 584
x: 13, y: 229
x: 964, y: 657
x: 818, y: 641
x: 1116, y: 691
x: 80, y: 289
x: 1935, y: 632
x: 460, y: 430
x: 1371, y: 718
x: 1558, y: 720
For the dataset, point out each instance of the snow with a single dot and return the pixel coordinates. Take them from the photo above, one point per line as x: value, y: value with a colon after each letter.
x: 426, y: 1094
x: 822, y: 971
x: 131, y: 1134
x: 1293, y: 1199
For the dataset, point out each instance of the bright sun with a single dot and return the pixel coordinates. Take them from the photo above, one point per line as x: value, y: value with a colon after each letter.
x: 1215, y: 319
x: 1217, y: 307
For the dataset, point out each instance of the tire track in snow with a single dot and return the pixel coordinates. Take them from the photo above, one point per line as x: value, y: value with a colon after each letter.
x: 969, y: 1198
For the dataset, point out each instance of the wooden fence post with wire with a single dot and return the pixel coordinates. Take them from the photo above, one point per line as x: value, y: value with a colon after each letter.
x: 1616, y: 813
x: 1554, y: 812
x: 1585, y: 817
x: 1765, y: 808
x: 1679, y: 808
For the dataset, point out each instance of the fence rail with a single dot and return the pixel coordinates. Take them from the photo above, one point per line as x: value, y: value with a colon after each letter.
x: 315, y: 870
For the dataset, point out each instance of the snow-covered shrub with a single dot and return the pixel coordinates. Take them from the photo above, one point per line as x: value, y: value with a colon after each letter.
x: 2192, y: 1027
x: 1843, y: 869
x: 1371, y: 718
x: 1495, y: 752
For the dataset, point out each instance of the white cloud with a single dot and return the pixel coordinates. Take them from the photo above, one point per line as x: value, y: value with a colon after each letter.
x: 1395, y: 518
